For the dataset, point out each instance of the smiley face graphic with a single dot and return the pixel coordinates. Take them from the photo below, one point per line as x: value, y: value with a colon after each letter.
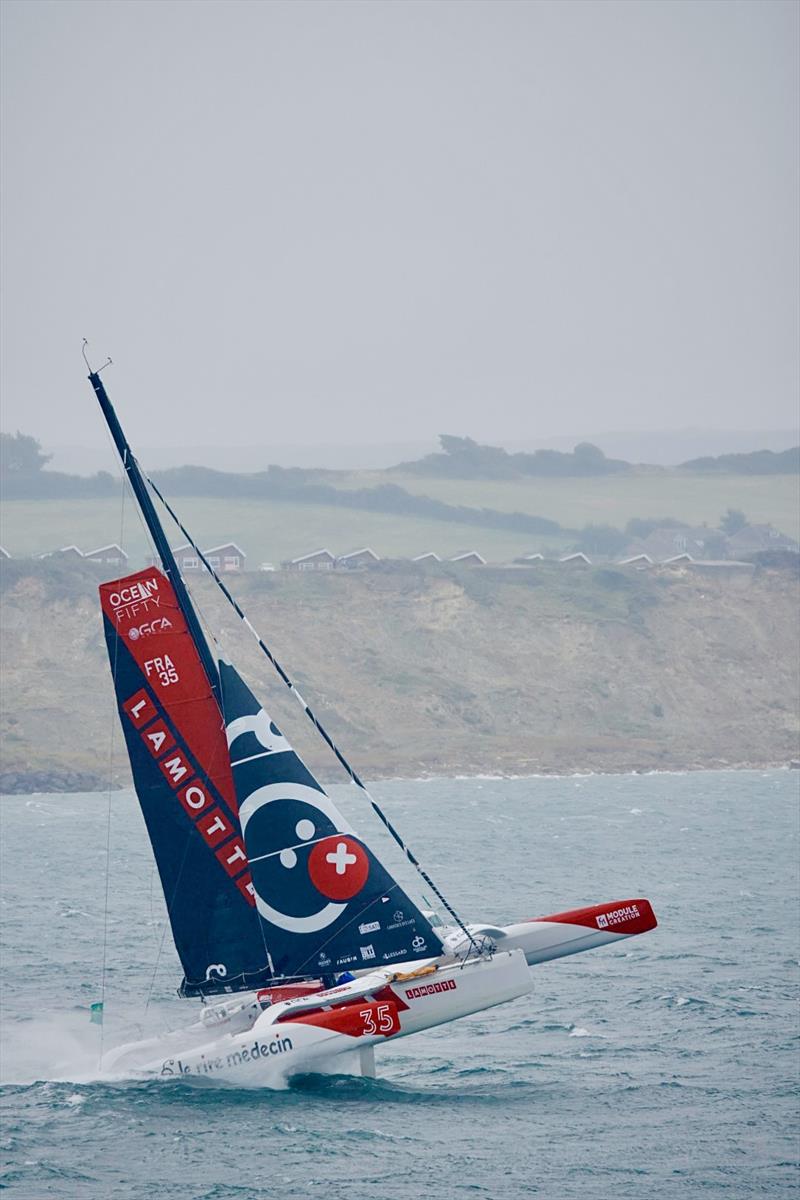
x: 305, y: 865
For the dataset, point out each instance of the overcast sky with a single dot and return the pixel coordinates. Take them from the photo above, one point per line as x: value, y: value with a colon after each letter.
x: 358, y: 222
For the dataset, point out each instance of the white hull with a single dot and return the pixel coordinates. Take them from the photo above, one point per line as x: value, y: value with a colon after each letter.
x: 246, y: 1043
x: 309, y: 1035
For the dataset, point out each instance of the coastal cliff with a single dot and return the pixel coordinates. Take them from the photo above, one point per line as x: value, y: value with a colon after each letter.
x: 438, y: 673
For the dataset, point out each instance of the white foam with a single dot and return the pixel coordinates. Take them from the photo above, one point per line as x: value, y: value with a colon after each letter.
x: 64, y: 1047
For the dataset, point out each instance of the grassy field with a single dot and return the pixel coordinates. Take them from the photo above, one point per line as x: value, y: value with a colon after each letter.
x: 270, y: 531
x: 614, y: 499
x: 267, y: 531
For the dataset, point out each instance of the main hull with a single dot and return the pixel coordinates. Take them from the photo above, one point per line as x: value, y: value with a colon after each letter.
x: 262, y: 1039
x: 329, y: 1029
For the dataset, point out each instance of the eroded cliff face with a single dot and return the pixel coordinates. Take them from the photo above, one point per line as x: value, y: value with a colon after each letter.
x: 495, y: 671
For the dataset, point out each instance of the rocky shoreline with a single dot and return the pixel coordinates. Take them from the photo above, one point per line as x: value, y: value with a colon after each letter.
x: 64, y: 782
x: 27, y: 783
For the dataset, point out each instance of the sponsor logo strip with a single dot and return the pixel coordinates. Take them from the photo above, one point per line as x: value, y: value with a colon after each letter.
x: 619, y: 916
x: 196, y: 796
x: 430, y: 989
x: 140, y: 708
x: 158, y: 739
x: 207, y: 1065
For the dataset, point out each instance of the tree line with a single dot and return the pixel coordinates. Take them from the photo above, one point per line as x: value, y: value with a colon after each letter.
x: 24, y: 478
x: 23, y: 464
x: 463, y: 458
x: 758, y: 462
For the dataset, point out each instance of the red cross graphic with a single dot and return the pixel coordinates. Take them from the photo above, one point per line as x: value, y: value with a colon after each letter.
x: 338, y: 867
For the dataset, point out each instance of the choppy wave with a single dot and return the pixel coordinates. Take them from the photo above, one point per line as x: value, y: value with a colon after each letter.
x: 663, y: 1067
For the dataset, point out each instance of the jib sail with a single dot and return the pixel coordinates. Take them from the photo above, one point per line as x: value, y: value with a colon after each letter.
x: 179, y: 759
x: 324, y: 900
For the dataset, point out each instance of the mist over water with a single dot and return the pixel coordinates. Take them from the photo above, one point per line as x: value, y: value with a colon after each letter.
x: 665, y: 1066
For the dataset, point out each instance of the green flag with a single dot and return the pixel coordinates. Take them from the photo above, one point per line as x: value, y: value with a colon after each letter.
x: 96, y: 1013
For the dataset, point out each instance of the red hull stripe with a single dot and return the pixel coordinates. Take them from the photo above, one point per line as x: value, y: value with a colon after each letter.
x: 617, y: 916
x: 355, y: 1020
x: 286, y: 991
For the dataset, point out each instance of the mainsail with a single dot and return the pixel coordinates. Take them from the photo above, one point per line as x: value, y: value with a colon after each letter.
x: 324, y: 900
x: 179, y: 759
x: 262, y: 876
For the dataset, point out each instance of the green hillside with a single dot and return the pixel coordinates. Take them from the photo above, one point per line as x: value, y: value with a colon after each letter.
x: 268, y: 531
x: 614, y: 499
x: 273, y: 530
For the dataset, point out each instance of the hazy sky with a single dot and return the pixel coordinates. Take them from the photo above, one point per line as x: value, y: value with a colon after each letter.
x: 346, y: 222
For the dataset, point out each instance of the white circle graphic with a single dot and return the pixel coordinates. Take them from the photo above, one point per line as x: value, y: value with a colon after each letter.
x: 305, y: 829
x: 269, y: 794
x: 288, y: 858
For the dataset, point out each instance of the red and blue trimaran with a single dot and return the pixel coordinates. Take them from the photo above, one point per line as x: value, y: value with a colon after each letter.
x: 305, y: 952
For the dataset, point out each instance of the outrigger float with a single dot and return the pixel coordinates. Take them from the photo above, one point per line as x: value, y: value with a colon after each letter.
x: 275, y: 903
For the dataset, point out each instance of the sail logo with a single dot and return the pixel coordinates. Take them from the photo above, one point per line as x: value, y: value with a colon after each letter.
x: 299, y: 868
x: 369, y: 927
x: 147, y: 628
x: 135, y: 597
x: 367, y: 952
x: 194, y: 794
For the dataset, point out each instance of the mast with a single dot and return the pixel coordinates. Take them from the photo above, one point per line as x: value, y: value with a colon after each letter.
x: 156, y: 531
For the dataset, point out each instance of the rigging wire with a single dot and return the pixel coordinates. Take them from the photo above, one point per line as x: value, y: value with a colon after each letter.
x: 109, y: 806
x: 355, y: 778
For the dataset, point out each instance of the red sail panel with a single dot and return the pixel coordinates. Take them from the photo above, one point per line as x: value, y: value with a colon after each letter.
x: 144, y: 611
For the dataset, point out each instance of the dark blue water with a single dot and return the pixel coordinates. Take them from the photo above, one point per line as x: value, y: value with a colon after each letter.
x: 663, y: 1067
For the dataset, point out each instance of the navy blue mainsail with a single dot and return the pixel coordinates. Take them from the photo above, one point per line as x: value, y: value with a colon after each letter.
x: 316, y: 899
x: 325, y: 902
x: 179, y: 760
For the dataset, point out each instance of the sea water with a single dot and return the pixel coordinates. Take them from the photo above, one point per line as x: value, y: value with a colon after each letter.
x: 664, y: 1066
